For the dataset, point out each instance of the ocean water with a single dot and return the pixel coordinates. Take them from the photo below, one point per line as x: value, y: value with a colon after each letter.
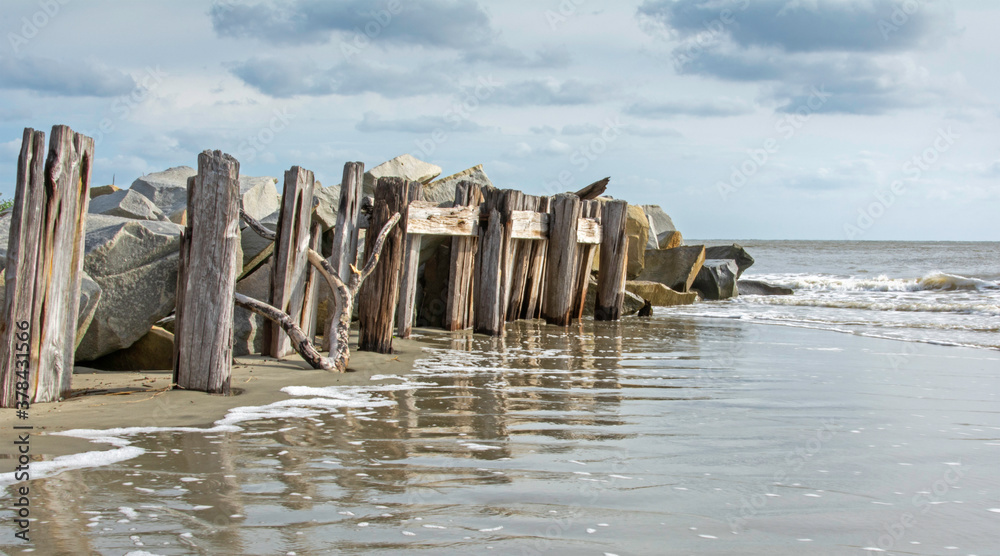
x: 945, y: 293
x: 706, y: 433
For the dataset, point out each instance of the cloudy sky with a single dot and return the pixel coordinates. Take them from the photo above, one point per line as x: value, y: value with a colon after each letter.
x: 783, y: 119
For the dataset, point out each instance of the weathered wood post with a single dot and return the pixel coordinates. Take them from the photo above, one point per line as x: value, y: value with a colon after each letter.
x: 611, y: 272
x: 44, y: 266
x: 459, y: 312
x: 345, y: 239
x: 539, y: 254
x: 521, y: 257
x: 408, y: 272
x: 493, y: 262
x: 290, y: 270
x: 585, y: 259
x: 561, y: 262
x: 379, y: 294
x: 310, y: 303
x: 206, y: 278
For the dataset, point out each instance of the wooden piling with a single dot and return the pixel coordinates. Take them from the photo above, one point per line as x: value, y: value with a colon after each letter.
x: 379, y: 294
x: 611, y: 272
x: 459, y: 312
x: 289, y: 272
x: 345, y: 238
x: 585, y: 259
x: 310, y: 302
x: 492, y: 280
x: 44, y: 266
x: 206, y: 280
x: 561, y: 262
x: 522, y: 251
x: 411, y: 260
x: 536, y: 275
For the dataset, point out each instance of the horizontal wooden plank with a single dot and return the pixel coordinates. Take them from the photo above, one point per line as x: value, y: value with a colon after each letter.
x: 588, y: 230
x: 429, y: 219
x: 530, y: 225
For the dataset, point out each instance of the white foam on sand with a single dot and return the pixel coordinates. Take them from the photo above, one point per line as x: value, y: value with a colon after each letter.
x: 307, y: 402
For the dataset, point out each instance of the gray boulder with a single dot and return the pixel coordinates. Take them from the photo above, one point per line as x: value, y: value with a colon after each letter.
x: 660, y: 226
x: 675, y: 268
x: 262, y: 202
x: 403, y: 166
x: 4, y: 238
x: 127, y: 204
x: 442, y: 191
x: 717, y: 279
x: 735, y: 252
x: 167, y: 190
x: 90, y: 298
x: 329, y: 205
x: 248, y: 327
x: 135, y: 264
x: 756, y: 287
x: 630, y: 305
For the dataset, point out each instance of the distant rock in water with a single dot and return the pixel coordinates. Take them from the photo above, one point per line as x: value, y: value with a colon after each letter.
x: 717, y: 279
x: 647, y: 309
x: 735, y: 252
x: 756, y: 287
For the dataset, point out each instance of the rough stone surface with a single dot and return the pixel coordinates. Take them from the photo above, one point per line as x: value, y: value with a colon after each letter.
x: 152, y: 352
x: 329, y: 204
x: 103, y: 190
x: 675, y: 268
x: 135, y: 264
x: 403, y: 166
x: 717, y: 279
x: 659, y: 295
x: 735, y: 252
x: 630, y: 306
x: 671, y: 239
x: 637, y: 230
x: 660, y: 225
x: 756, y: 287
x: 248, y: 327
x: 4, y: 239
x: 127, y: 204
x: 442, y: 191
x: 259, y: 195
x: 167, y: 189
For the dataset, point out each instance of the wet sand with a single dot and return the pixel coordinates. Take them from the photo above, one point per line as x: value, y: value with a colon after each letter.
x: 107, y: 399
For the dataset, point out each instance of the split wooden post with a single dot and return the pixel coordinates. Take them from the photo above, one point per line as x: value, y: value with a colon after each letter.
x: 562, y: 261
x: 521, y: 258
x: 585, y: 259
x: 536, y: 287
x: 611, y: 273
x: 408, y: 272
x: 289, y: 272
x: 378, y: 295
x: 310, y: 303
x: 206, y: 278
x: 345, y: 240
x: 459, y: 312
x: 44, y: 266
x: 493, y: 261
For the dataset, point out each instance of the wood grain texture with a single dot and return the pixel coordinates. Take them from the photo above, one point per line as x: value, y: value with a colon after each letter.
x: 206, y: 279
x: 611, y: 273
x: 427, y: 218
x: 408, y: 271
x: 289, y: 272
x: 591, y: 212
x: 536, y: 274
x: 562, y: 260
x: 45, y: 262
x: 493, y: 259
x: 345, y: 238
x: 378, y: 295
x: 459, y: 308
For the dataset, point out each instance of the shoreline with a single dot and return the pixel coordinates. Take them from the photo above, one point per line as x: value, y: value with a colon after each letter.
x: 104, y: 399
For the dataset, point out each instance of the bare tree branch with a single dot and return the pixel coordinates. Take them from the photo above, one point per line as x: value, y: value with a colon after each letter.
x: 256, y: 226
x: 299, y: 341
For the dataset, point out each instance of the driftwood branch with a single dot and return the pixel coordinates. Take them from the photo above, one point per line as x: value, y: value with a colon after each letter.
x: 593, y: 190
x: 256, y: 226
x: 300, y: 343
x: 340, y: 350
